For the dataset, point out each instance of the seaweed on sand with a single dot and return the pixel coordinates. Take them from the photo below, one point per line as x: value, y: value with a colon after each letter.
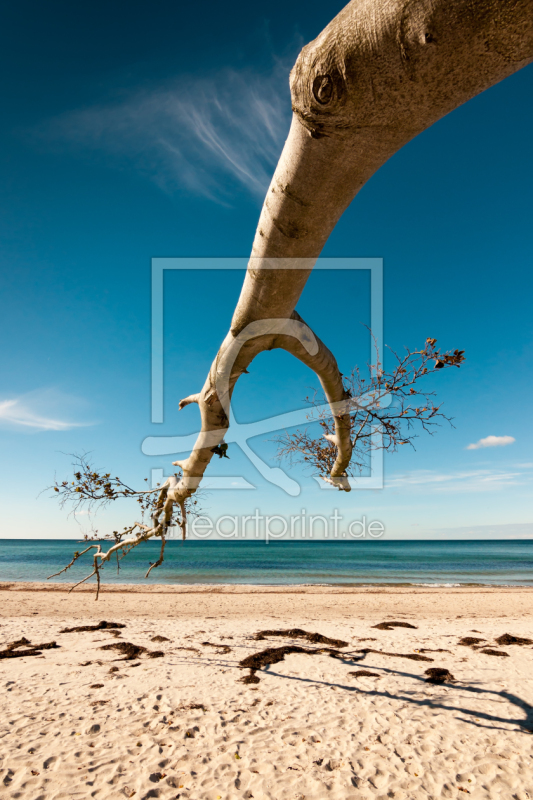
x: 18, y: 643
x: 129, y: 650
x: 507, y: 639
x: 103, y: 625
x: 489, y: 652
x: 298, y: 633
x: 364, y: 673
x: 438, y: 675
x: 222, y: 648
x: 411, y: 656
x: 250, y: 678
x: 132, y: 651
x: 470, y: 641
x: 13, y: 650
x: 389, y: 626
x: 273, y: 655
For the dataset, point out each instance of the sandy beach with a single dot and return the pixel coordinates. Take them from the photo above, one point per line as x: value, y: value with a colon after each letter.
x: 172, y: 718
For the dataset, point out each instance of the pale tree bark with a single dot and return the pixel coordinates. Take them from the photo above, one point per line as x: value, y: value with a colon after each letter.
x: 379, y: 74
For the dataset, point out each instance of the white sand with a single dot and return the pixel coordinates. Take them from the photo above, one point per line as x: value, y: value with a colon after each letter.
x: 307, y: 730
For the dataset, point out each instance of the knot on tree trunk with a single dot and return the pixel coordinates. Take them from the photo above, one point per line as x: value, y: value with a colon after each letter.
x: 318, y: 91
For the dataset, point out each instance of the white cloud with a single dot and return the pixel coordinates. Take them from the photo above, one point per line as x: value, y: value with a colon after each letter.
x: 40, y: 410
x: 506, y: 530
x: 199, y: 135
x: 482, y: 480
x: 492, y: 441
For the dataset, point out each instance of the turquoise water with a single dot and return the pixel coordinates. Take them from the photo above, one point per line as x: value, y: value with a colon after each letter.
x: 310, y: 562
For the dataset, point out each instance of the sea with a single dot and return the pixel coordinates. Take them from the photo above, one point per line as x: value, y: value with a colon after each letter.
x: 285, y: 563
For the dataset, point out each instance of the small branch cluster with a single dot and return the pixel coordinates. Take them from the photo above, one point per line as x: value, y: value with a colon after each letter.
x: 164, y: 505
x: 385, y: 409
x: 90, y: 487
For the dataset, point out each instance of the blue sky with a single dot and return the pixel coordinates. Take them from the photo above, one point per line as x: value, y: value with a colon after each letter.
x: 140, y: 130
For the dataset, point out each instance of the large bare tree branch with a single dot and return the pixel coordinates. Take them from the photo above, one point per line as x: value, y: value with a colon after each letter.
x: 380, y: 73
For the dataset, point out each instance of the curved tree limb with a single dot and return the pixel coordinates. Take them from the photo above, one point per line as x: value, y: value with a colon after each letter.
x: 292, y: 335
x: 376, y: 77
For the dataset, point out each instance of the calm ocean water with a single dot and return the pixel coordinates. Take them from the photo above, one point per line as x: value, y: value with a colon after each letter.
x: 488, y: 562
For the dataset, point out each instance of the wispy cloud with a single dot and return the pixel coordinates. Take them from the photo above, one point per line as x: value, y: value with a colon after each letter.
x: 34, y: 411
x: 482, y: 480
x: 491, y: 441
x: 509, y: 530
x: 205, y: 136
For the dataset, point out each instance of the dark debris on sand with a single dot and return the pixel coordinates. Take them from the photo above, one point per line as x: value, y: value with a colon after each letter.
x: 131, y: 651
x: 411, y: 656
x: 438, y: 675
x: 103, y: 625
x: 23, y: 647
x: 298, y: 633
x: 507, y: 639
x: 159, y: 638
x: 470, y: 641
x: 222, y: 648
x: 273, y: 655
x: 489, y: 652
x: 389, y: 626
x: 18, y: 643
x: 192, y: 707
x: 251, y: 678
x: 364, y: 673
